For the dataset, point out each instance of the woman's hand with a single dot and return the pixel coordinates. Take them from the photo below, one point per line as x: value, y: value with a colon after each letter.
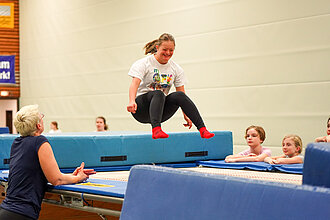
x: 86, y: 171
x: 189, y: 122
x: 79, y: 172
x: 132, y: 107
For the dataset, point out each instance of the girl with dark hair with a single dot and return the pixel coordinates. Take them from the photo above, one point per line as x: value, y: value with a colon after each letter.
x: 327, y: 137
x: 153, y: 77
x: 101, y: 124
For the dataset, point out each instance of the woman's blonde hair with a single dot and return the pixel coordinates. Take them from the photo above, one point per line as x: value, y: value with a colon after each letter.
x: 296, y: 139
x: 151, y: 46
x: 26, y: 120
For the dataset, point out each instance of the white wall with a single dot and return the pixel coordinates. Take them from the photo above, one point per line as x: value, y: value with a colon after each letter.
x: 262, y: 62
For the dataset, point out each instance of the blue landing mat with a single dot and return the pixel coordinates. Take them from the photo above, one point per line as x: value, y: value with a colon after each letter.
x: 92, y: 186
x: 259, y: 166
x: 97, y: 187
x: 126, y: 168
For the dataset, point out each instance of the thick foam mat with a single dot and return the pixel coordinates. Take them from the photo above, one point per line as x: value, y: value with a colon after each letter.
x: 100, y: 150
x: 97, y: 187
x: 105, y: 187
x: 259, y: 166
x: 317, y: 165
x: 164, y: 193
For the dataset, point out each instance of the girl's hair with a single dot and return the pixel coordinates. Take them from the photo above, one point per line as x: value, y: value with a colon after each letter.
x: 26, y: 120
x: 151, y: 46
x: 104, y: 121
x: 296, y: 139
x: 55, y: 124
x: 328, y: 120
x: 260, y: 131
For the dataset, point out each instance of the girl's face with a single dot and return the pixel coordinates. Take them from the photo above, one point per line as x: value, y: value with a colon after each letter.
x: 328, y: 128
x: 99, y: 124
x: 52, y: 126
x: 289, y: 148
x: 164, y: 51
x: 253, y: 138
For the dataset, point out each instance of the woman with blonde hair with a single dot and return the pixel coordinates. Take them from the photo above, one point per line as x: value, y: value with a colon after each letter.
x: 32, y: 165
x: 153, y: 77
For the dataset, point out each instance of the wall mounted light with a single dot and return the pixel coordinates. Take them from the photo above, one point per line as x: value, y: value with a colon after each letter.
x: 4, y: 93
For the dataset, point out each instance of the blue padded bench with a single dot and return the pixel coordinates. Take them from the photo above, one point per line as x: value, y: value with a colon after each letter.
x: 317, y: 165
x: 120, y: 149
x: 165, y: 193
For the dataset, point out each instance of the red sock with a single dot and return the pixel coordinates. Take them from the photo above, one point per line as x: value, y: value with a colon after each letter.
x: 205, y: 133
x: 157, y: 132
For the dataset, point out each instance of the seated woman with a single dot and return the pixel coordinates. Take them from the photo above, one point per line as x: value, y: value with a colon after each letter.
x: 292, y: 147
x: 32, y: 165
x: 325, y: 138
x: 255, y: 136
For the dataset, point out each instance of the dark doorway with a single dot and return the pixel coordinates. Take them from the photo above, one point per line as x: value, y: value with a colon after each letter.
x: 9, y: 121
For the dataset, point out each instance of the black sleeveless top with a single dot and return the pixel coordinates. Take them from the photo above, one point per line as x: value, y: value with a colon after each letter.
x: 26, y: 181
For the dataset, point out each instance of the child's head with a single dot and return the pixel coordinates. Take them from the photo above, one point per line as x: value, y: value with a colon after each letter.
x: 255, y: 135
x: 101, y: 124
x: 54, y: 125
x: 291, y: 145
x: 328, y: 126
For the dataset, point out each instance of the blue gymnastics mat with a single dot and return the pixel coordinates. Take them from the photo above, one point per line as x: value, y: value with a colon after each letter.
x: 97, y: 187
x: 165, y: 193
x: 258, y: 166
x: 127, y: 148
x: 93, y: 186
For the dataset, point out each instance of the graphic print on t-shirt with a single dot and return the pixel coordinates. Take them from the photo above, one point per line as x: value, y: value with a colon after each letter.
x: 161, y: 81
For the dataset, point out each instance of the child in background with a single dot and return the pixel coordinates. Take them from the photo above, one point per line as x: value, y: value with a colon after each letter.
x: 101, y: 124
x: 325, y: 138
x: 292, y: 147
x: 255, y: 136
x: 54, y: 127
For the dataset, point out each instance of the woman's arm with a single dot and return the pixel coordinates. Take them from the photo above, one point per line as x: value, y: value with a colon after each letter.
x: 132, y: 106
x: 51, y: 170
x: 189, y: 122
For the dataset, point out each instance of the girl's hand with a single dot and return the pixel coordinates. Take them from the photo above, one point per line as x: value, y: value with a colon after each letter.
x: 251, y: 155
x: 189, y: 122
x: 269, y: 160
x: 132, y: 107
x: 230, y: 160
x: 279, y: 161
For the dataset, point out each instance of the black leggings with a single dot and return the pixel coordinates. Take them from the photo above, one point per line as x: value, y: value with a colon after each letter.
x: 8, y: 215
x: 154, y: 107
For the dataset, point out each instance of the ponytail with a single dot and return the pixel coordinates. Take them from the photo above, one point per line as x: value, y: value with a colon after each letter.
x: 151, y: 47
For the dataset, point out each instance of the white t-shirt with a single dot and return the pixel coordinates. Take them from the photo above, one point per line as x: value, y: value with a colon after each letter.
x: 156, y: 76
x: 55, y: 131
